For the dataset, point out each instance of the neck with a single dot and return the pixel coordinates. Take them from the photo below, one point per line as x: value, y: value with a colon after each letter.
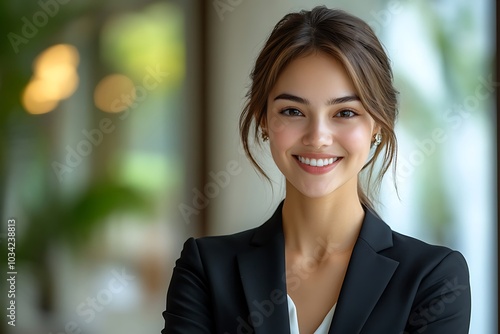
x: 332, y: 222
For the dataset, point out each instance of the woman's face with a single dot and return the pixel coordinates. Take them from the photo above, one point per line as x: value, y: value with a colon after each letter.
x: 319, y: 132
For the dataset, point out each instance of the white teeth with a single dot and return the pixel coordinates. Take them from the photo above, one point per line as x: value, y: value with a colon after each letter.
x: 317, y: 162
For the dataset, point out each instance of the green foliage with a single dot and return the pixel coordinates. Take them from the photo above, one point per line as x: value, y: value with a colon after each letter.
x: 74, y: 221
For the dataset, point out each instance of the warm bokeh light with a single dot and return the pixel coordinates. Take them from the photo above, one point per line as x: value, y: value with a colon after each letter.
x: 34, y: 100
x: 54, y: 56
x: 63, y: 79
x: 114, y: 93
x: 55, y: 78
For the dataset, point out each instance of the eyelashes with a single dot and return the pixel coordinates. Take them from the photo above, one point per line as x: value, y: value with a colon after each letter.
x: 347, y: 113
x: 291, y: 112
x: 294, y: 112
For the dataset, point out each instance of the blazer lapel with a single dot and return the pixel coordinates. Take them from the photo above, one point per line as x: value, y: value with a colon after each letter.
x: 262, y: 274
x: 367, y: 276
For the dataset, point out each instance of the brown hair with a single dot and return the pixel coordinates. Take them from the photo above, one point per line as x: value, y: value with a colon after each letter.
x: 351, y: 41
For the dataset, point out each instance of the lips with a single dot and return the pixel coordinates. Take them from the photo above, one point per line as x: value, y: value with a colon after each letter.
x: 317, y: 162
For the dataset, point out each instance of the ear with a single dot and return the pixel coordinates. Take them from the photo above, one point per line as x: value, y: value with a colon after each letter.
x: 263, y: 124
x: 376, y: 129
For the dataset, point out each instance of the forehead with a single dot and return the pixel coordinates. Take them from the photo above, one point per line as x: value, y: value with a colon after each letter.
x: 315, y: 76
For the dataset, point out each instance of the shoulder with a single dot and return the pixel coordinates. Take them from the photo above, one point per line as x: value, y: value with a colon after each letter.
x: 220, y: 252
x: 229, y: 244
x: 221, y: 244
x: 440, y: 274
x: 420, y: 254
x: 200, y: 254
x: 439, y: 281
x: 418, y: 261
x: 436, y: 279
x: 411, y: 253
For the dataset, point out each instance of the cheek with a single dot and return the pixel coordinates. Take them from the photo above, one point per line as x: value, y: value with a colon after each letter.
x: 283, y: 139
x: 356, y: 138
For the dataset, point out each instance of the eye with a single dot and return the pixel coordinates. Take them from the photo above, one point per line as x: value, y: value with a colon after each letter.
x: 291, y: 112
x: 346, y: 114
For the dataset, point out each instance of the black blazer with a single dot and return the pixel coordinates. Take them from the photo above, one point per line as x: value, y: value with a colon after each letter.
x: 394, y: 284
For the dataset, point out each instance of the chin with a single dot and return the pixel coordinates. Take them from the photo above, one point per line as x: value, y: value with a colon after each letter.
x: 316, y: 192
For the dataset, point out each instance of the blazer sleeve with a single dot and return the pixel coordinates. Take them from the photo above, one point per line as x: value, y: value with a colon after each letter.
x: 443, y: 301
x: 188, y: 297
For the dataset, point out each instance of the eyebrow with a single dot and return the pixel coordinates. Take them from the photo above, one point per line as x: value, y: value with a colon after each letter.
x: 332, y: 101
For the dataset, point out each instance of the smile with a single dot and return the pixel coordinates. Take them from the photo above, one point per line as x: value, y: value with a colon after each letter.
x: 317, y: 162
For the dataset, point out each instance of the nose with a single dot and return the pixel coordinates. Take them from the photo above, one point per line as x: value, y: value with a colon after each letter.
x: 318, y: 134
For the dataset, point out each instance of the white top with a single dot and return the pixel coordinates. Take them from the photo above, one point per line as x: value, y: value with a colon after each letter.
x: 294, y: 321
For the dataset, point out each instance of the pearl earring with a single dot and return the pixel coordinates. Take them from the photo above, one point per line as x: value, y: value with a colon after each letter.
x: 378, y: 139
x: 264, y: 135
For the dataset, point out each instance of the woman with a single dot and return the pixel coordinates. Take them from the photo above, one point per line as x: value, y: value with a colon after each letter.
x: 322, y: 96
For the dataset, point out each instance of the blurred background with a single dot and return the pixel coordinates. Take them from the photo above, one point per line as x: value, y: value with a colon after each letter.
x: 119, y: 140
